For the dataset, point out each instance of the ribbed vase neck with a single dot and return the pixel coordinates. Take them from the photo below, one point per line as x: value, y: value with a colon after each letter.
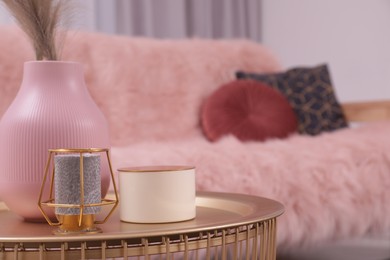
x: 53, y: 74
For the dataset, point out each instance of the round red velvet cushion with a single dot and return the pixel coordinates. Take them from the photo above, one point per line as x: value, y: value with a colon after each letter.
x: 249, y: 110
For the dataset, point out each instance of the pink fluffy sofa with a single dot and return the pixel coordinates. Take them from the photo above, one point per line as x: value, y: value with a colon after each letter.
x: 333, y: 186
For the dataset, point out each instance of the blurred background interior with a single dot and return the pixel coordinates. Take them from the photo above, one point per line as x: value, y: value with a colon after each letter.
x: 352, y: 36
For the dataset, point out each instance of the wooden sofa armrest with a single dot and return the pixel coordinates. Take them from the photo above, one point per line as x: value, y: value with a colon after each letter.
x: 367, y: 111
x: 3, y: 206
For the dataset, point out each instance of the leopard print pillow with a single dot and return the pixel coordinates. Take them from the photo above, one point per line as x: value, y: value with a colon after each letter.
x: 310, y: 93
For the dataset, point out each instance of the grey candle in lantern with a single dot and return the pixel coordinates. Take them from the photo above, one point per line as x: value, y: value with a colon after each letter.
x: 67, y: 182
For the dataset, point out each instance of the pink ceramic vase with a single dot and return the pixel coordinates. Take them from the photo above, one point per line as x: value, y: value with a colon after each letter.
x: 53, y: 109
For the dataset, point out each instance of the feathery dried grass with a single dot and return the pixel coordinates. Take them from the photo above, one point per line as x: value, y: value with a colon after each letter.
x: 39, y: 19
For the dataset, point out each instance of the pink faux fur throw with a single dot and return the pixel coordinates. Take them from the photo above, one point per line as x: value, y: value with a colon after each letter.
x: 333, y: 186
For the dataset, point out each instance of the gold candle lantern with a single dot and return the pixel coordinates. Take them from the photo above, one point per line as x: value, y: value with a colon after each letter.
x: 75, y: 190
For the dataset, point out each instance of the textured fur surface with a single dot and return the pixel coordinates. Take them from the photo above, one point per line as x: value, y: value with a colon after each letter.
x: 333, y: 186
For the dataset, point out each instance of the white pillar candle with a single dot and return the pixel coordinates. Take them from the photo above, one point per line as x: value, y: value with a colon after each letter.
x: 157, y: 194
x: 67, y: 182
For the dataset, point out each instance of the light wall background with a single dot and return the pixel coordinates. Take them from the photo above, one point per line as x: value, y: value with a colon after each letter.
x: 352, y: 36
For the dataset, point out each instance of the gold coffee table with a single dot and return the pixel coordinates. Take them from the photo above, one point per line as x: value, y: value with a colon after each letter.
x: 227, y: 226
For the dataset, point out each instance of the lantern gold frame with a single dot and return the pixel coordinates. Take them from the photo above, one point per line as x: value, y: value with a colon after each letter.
x: 81, y: 223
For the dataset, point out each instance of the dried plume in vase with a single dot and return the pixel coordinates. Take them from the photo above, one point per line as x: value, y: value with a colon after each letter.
x: 40, y: 20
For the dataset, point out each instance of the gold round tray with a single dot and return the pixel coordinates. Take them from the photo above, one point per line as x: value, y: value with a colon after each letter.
x: 227, y: 225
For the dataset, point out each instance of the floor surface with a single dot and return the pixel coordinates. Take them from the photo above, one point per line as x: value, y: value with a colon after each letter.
x: 348, y: 250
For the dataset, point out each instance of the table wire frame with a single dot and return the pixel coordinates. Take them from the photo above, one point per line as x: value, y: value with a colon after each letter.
x: 250, y: 241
